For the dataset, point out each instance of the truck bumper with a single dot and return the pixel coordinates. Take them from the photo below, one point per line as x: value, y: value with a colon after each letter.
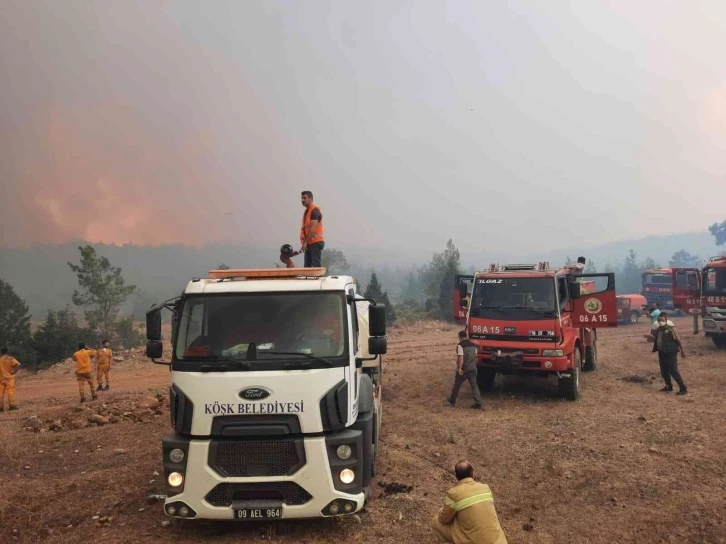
x: 527, y: 365
x: 206, y: 494
x: 712, y: 327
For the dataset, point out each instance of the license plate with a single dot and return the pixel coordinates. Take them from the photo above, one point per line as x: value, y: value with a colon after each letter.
x: 257, y: 513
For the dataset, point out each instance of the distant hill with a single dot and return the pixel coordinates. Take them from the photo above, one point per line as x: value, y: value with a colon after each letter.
x: 41, y: 276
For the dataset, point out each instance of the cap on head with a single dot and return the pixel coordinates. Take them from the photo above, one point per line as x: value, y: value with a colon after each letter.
x: 581, y: 260
x: 463, y: 470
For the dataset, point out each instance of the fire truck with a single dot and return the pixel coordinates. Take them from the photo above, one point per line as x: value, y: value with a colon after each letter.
x: 275, y: 396
x: 656, y: 287
x: 703, y: 292
x: 533, y: 320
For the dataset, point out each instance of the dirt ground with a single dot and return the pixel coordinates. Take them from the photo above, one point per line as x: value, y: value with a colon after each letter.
x: 624, y: 464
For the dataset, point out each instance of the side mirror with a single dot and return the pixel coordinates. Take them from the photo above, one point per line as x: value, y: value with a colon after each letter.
x: 464, y: 303
x: 377, y: 320
x: 153, y: 324
x: 154, y: 349
x: 575, y: 292
x: 462, y: 290
x: 377, y: 345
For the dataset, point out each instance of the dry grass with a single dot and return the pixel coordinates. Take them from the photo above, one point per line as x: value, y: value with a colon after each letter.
x: 624, y: 464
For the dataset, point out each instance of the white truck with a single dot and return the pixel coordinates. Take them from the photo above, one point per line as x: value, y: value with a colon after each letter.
x: 275, y: 396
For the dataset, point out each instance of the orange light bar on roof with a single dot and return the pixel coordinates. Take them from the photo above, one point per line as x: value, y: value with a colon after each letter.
x: 268, y: 273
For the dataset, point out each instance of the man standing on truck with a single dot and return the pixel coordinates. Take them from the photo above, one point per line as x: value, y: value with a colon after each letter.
x: 84, y: 373
x: 468, y: 515
x: 8, y: 368
x: 466, y: 352
x: 311, y: 231
x: 668, y: 345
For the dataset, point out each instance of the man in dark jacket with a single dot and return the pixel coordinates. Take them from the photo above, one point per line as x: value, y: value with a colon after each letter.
x: 465, y: 369
x: 668, y: 344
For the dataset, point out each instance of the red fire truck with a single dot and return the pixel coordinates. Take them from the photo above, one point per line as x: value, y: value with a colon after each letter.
x: 703, y: 292
x: 656, y: 287
x: 533, y: 320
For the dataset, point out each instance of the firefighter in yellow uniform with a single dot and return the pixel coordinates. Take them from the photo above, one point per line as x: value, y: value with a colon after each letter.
x: 103, y: 365
x: 468, y: 515
x: 84, y: 370
x: 8, y: 367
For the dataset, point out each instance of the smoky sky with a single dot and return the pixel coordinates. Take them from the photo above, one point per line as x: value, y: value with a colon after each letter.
x: 528, y: 125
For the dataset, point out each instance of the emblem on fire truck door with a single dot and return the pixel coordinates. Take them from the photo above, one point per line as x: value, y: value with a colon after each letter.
x: 593, y: 306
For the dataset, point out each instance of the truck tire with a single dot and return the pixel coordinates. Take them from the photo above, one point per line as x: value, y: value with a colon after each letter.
x: 570, y: 387
x: 634, y: 317
x: 590, y: 358
x: 719, y: 341
x: 485, y: 379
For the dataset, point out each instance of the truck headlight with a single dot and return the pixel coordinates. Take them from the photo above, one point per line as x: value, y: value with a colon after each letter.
x: 176, y: 455
x: 344, y: 452
x: 347, y: 476
x: 175, y: 479
x: 552, y: 353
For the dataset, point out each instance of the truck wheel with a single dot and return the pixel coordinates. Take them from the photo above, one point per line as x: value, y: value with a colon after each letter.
x: 570, y: 387
x: 485, y: 379
x: 590, y: 358
x: 634, y: 317
x: 719, y: 341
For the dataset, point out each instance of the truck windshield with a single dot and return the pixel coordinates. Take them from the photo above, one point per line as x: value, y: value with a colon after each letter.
x: 623, y: 302
x: 657, y: 279
x: 513, y: 298
x: 263, y: 331
x: 714, y: 281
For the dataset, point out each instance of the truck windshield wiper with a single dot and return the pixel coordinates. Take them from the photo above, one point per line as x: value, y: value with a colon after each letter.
x: 308, y: 355
x: 238, y: 362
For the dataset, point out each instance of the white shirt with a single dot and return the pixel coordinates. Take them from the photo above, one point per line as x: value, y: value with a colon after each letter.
x: 459, y: 350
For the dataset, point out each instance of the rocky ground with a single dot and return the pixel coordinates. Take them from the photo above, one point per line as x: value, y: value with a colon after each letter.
x: 624, y: 464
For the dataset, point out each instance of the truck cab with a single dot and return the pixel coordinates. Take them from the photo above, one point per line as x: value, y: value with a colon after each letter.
x: 631, y: 308
x: 656, y: 287
x: 275, y: 395
x: 703, y: 292
x: 536, y: 321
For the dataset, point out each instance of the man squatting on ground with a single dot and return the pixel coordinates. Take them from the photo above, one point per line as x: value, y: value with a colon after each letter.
x: 468, y: 515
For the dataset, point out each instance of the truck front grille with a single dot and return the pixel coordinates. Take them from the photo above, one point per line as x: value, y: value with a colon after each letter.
x: 289, y: 493
x: 256, y: 458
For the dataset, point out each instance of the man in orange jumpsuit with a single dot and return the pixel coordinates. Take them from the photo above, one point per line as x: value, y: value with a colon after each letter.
x: 84, y: 370
x: 103, y: 364
x: 8, y: 367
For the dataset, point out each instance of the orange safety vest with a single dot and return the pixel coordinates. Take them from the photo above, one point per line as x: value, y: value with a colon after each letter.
x: 317, y: 233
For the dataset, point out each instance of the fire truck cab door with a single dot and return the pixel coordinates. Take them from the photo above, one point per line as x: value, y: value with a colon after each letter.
x: 686, y: 289
x: 597, y: 305
x: 459, y: 312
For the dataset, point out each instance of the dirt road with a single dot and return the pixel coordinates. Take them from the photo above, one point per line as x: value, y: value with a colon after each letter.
x: 624, y: 464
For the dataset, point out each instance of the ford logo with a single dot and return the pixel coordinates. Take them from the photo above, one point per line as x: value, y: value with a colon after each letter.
x: 254, y: 393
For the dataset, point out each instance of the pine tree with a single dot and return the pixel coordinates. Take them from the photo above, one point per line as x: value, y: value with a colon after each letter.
x: 14, y: 321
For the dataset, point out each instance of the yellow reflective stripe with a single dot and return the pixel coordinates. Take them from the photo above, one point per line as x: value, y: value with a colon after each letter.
x: 449, y: 502
x: 476, y: 499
